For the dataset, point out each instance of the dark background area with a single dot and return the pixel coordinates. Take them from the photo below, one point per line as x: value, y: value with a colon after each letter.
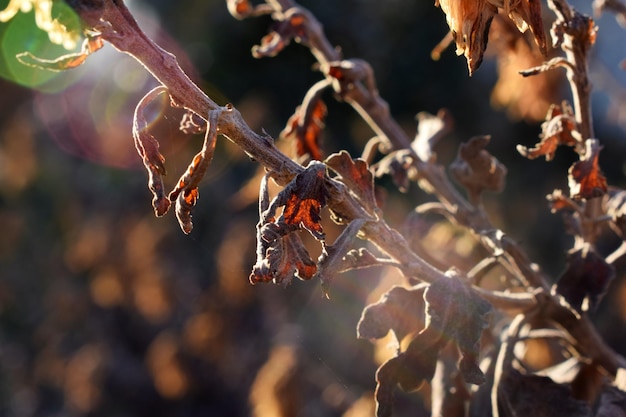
x: 106, y: 310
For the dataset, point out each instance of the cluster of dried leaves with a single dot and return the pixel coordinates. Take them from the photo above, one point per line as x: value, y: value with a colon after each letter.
x: 469, y: 341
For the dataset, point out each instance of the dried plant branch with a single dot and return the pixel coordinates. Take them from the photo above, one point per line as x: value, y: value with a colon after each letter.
x: 452, y: 304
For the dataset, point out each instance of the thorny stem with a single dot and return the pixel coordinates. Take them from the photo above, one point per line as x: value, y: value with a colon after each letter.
x: 118, y: 27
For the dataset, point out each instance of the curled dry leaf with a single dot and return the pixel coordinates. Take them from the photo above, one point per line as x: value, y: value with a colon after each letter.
x: 454, y: 313
x: 401, y: 310
x: 586, y: 279
x: 280, y: 251
x: 558, y: 202
x: 430, y: 129
x: 90, y: 45
x: 355, y: 174
x: 282, y: 258
x: 558, y: 129
x: 302, y: 199
x: 469, y: 21
x: 291, y: 26
x: 585, y: 176
x: 305, y: 126
x: 398, y: 165
x: 185, y: 193
x: 476, y: 169
x: 148, y: 148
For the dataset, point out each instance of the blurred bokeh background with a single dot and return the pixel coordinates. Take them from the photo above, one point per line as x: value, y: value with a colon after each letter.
x: 106, y: 310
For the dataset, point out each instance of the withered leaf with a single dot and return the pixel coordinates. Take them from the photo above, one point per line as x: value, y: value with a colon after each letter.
x: 558, y: 129
x: 398, y: 164
x: 400, y: 310
x: 148, y: 148
x: 281, y: 259
x: 291, y: 27
x: 303, y: 199
x: 65, y: 62
x: 586, y: 279
x: 457, y: 313
x: 469, y: 21
x: 409, y: 370
x: 305, y: 126
x: 585, y: 177
x: 357, y: 176
x: 532, y: 395
x: 430, y: 129
x: 454, y: 313
x: 558, y: 201
x: 185, y: 193
x: 476, y: 169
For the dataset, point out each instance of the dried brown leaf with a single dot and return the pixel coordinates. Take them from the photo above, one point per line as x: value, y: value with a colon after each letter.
x: 585, y: 176
x: 305, y: 126
x: 148, y: 148
x: 558, y: 129
x: 400, y: 310
x: 185, y: 193
x: 586, y: 279
x: 398, y: 165
x: 476, y: 169
x: 469, y: 21
x: 430, y: 129
x: 358, y: 178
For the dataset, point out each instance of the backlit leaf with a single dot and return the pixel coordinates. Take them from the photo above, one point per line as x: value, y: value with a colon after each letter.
x: 356, y: 175
x: 476, y: 169
x: 585, y: 176
x: 558, y: 129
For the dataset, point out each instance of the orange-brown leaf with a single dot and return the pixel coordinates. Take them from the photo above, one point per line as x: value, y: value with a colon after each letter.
x: 558, y: 129
x: 305, y: 126
x: 304, y: 198
x: 357, y: 176
x: 585, y: 176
